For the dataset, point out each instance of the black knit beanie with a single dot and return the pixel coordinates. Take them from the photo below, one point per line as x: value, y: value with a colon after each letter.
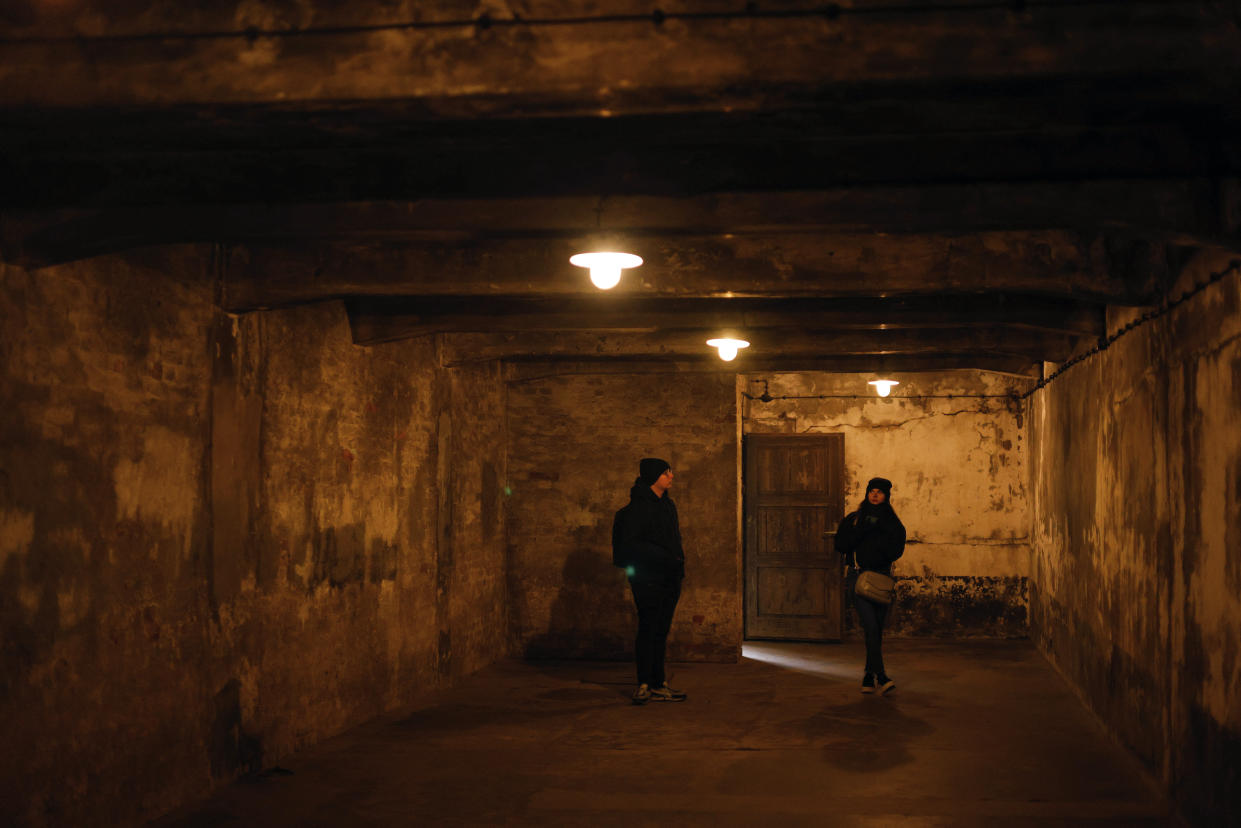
x: 650, y: 468
x: 882, y: 484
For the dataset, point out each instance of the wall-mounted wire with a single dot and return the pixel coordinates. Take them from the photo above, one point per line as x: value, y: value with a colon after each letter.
x: 657, y: 17
x: 1164, y: 307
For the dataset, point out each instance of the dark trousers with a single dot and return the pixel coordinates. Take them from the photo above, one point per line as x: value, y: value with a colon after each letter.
x: 656, y: 602
x: 872, y: 616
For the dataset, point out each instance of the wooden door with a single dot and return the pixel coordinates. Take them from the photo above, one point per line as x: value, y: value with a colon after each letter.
x: 794, y: 500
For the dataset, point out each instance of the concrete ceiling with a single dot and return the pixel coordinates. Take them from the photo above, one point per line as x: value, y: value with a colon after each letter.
x: 862, y: 186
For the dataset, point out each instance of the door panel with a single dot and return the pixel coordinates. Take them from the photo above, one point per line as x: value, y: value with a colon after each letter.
x: 789, y: 591
x: 796, y: 529
x: 789, y: 470
x: 794, y: 499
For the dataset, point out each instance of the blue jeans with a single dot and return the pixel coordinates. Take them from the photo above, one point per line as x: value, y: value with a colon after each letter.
x: 872, y: 616
x: 656, y: 601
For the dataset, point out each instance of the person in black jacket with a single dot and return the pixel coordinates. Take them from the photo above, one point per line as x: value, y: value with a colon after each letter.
x: 872, y: 538
x: 650, y: 537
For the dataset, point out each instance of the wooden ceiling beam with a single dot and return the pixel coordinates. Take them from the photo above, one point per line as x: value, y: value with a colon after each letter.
x: 558, y: 58
x: 1017, y: 367
x: 460, y: 348
x: 379, y: 319
x: 829, y: 264
x: 669, y: 156
x: 477, y: 229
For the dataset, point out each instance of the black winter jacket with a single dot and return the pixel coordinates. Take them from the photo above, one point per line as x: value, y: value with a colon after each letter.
x: 650, y: 534
x: 874, y: 534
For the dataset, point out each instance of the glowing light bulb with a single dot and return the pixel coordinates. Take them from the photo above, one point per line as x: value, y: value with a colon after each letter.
x: 883, y: 387
x: 605, y: 277
x: 728, y: 347
x: 605, y: 267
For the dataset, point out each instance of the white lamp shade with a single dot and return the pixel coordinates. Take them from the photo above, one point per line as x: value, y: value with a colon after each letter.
x: 728, y: 347
x: 605, y: 266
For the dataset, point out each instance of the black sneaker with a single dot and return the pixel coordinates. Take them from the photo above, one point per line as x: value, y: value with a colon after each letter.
x: 665, y: 693
x: 642, y: 695
x: 886, y: 685
x: 868, y: 683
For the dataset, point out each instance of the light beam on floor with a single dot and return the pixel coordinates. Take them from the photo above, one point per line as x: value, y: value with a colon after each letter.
x: 813, y: 659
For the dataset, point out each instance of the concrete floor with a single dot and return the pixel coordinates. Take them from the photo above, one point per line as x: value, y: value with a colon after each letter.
x: 976, y: 733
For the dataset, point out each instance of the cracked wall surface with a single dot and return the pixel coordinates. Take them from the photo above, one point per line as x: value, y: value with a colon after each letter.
x: 952, y: 444
x: 1136, y: 501
x: 222, y: 538
x: 574, y: 446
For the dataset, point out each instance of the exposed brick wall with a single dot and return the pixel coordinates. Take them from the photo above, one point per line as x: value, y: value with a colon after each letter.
x: 574, y: 446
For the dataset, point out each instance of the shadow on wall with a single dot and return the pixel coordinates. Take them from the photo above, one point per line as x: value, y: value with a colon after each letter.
x: 592, y: 616
x: 232, y: 749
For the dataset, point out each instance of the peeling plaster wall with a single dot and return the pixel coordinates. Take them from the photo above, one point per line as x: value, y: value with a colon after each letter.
x: 1136, y: 501
x: 221, y: 538
x: 574, y: 446
x: 957, y: 468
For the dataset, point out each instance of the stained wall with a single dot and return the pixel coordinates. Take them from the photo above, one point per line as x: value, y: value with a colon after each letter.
x: 574, y: 444
x: 953, y: 445
x: 223, y: 538
x: 1136, y: 502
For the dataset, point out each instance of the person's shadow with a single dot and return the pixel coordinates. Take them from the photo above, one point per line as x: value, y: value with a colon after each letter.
x: 867, y: 734
x: 592, y: 616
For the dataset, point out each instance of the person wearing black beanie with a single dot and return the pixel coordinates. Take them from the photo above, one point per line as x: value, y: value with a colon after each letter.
x: 650, y: 469
x: 871, y: 539
x: 646, y: 541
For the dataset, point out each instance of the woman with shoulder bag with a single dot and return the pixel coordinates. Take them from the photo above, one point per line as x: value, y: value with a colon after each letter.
x: 870, y: 539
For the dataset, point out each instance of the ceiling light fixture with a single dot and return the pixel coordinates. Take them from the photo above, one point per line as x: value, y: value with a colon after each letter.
x: 605, y: 267
x: 728, y: 347
x: 883, y: 387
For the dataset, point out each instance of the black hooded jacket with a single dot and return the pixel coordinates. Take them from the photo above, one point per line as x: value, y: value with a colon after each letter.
x: 874, y: 534
x: 650, y: 534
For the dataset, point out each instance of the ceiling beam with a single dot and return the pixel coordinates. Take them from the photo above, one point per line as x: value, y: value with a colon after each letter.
x: 1016, y: 367
x: 1029, y: 236
x: 1101, y: 110
x: 578, y: 56
x: 782, y: 344
x: 1174, y: 209
x: 830, y: 264
x: 101, y: 164
x: 381, y: 319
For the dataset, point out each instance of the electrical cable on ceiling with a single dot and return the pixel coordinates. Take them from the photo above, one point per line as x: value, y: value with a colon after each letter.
x: 1164, y: 307
x: 657, y: 17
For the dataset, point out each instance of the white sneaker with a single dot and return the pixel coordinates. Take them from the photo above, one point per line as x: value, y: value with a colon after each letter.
x: 665, y: 693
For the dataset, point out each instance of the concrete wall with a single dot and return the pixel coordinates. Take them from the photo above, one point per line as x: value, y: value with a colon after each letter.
x: 952, y: 445
x: 222, y: 539
x: 1136, y: 499
x: 574, y: 446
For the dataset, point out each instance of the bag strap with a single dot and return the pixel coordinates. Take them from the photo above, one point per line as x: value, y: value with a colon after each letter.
x: 853, y: 551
